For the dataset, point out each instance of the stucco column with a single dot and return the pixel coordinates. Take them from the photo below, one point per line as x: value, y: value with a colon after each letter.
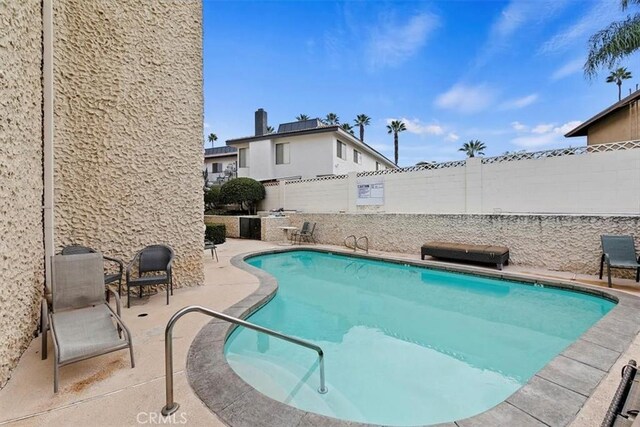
x: 282, y: 194
x: 352, y: 191
x: 473, y: 185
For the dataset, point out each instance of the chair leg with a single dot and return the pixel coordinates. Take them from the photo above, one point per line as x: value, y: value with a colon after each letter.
x: 56, y: 374
x: 44, y: 343
x: 171, y: 282
x: 638, y: 275
x: 140, y: 292
x: 133, y: 363
x: 215, y: 252
x: 168, y: 288
x: 601, y: 265
x: 120, y: 286
x: 609, y: 273
x: 128, y: 296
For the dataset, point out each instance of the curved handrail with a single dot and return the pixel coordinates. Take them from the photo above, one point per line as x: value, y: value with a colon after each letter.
x: 172, y: 406
x: 355, y: 242
x: 366, y: 248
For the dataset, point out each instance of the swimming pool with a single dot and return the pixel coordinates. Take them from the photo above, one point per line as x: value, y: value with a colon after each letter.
x: 404, y: 345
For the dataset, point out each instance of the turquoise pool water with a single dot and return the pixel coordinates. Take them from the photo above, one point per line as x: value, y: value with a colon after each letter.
x: 403, y: 345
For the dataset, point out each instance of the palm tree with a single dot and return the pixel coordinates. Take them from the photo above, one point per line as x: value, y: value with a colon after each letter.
x: 362, y: 120
x: 270, y: 129
x: 618, y: 40
x: 302, y: 117
x: 332, y: 119
x: 617, y: 76
x: 212, y: 138
x: 395, y: 127
x: 473, y: 147
x: 348, y: 128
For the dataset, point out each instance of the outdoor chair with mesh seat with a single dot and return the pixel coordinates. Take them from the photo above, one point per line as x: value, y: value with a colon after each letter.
x: 295, y: 233
x: 619, y: 252
x: 308, y: 234
x: 154, y: 265
x: 110, y: 275
x: 83, y: 325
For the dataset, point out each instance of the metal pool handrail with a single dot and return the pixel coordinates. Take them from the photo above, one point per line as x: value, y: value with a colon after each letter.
x: 366, y: 239
x: 172, y: 406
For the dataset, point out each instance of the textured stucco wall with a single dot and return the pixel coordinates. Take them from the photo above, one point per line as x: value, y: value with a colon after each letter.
x: 128, y: 128
x: 21, y: 245
x: 555, y: 242
x: 231, y: 223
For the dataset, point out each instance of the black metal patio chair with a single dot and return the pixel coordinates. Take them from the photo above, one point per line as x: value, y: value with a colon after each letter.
x: 154, y: 265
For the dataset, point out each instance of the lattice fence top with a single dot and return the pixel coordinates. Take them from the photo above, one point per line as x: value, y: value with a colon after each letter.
x: 271, y: 184
x: 422, y: 167
x: 598, y: 148
x: 320, y: 178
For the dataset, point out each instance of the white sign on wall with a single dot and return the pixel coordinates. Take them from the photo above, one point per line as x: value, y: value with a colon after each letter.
x: 370, y: 192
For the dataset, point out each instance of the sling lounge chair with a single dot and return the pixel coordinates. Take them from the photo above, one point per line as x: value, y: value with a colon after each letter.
x: 308, y: 234
x: 82, y: 324
x: 619, y: 252
x: 110, y: 276
x: 295, y: 233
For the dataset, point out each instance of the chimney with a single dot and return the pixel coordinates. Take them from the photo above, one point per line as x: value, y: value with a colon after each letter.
x: 261, y: 122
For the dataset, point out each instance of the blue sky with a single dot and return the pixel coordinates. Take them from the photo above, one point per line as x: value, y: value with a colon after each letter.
x: 506, y: 72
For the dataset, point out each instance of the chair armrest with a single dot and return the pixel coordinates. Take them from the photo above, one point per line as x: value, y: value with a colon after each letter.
x: 115, y: 260
x: 115, y: 294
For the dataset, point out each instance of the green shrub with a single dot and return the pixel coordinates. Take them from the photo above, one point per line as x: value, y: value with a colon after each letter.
x: 244, y: 191
x: 211, y: 198
x: 216, y: 233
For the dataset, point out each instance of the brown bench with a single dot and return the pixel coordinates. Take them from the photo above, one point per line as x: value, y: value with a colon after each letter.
x: 498, y: 255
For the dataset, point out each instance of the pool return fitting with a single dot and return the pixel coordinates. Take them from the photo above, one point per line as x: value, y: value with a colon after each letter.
x: 172, y: 406
x: 356, y: 243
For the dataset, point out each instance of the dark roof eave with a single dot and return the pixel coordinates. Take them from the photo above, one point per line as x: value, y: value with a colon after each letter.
x: 583, y: 128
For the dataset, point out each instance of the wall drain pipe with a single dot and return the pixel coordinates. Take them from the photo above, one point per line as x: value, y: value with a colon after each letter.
x: 47, y: 143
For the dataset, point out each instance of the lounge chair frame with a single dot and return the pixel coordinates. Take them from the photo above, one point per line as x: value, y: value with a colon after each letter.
x: 623, y: 258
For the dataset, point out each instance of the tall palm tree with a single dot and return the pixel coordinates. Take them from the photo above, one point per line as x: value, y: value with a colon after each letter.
x: 270, y: 129
x: 332, y: 119
x: 348, y: 128
x: 302, y: 117
x: 362, y: 120
x: 618, y: 40
x: 473, y: 147
x: 395, y: 127
x: 212, y: 138
x: 617, y: 76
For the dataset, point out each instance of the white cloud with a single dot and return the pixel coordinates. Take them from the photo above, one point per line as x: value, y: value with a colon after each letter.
x: 519, y: 127
x: 542, y: 128
x: 601, y: 13
x: 452, y: 137
x: 515, y: 104
x: 392, y: 42
x: 206, y: 125
x: 516, y: 15
x: 545, y: 134
x: 568, y: 69
x: 466, y: 99
x: 417, y: 127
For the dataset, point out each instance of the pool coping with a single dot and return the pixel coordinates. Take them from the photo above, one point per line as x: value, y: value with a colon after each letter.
x: 552, y: 397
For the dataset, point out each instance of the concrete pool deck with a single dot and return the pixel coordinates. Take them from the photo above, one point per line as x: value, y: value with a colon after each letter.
x: 106, y: 391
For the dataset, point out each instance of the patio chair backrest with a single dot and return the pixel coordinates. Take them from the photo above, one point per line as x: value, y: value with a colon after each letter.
x: 77, y: 249
x: 312, y: 228
x: 155, y: 258
x: 77, y: 281
x: 305, y: 227
x: 619, y: 248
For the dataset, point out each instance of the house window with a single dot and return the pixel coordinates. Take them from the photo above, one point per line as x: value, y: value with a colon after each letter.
x: 357, y: 157
x: 243, y: 155
x: 377, y: 166
x: 216, y: 167
x: 282, y: 153
x: 341, y: 150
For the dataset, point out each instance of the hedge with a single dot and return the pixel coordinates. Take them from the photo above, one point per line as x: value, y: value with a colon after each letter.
x: 216, y: 233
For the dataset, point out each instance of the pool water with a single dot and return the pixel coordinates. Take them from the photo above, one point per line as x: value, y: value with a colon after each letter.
x: 403, y: 345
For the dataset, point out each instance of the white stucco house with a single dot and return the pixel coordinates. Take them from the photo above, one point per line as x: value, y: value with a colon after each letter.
x: 301, y: 150
x: 220, y: 164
